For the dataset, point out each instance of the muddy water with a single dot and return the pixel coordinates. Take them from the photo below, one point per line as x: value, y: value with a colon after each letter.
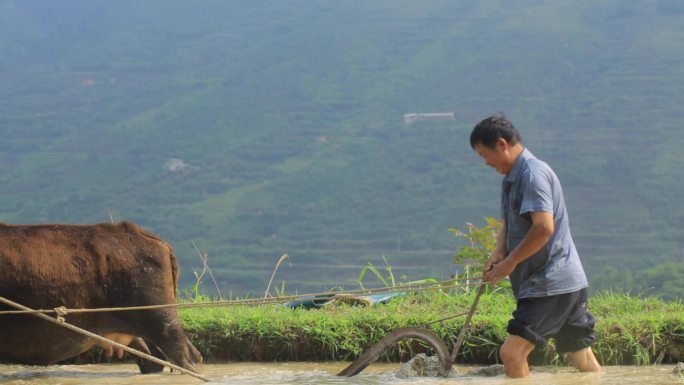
x: 318, y: 373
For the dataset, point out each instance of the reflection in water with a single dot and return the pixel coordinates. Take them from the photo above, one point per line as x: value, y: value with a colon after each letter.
x: 319, y: 373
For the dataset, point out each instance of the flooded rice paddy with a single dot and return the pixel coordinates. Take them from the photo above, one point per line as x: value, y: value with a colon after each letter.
x: 319, y: 373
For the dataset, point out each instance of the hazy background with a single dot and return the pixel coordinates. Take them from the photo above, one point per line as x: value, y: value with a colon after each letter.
x: 255, y: 128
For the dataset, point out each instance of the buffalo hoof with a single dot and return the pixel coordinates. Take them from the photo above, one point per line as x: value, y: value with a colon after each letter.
x: 147, y: 366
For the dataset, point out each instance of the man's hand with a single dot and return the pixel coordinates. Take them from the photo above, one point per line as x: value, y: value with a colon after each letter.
x: 499, y: 271
x: 495, y: 258
x: 500, y: 266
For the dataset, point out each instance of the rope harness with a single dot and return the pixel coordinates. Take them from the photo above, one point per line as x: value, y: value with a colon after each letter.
x: 61, y: 312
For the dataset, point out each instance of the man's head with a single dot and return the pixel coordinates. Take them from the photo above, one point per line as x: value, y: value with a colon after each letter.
x: 493, y: 128
x: 497, y: 142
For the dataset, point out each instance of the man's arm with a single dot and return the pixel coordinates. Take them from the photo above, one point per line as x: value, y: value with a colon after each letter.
x: 500, y: 251
x: 538, y: 235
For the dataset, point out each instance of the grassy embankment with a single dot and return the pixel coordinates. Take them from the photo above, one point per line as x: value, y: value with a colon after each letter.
x: 632, y: 330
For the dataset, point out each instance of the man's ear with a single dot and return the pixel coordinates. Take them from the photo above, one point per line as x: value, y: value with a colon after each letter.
x: 502, y: 144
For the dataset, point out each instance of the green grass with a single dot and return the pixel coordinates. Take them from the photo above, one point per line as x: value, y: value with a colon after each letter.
x: 632, y: 330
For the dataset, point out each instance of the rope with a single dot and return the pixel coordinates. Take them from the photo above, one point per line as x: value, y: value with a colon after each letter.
x: 60, y: 321
x: 62, y: 312
x: 442, y: 319
x: 417, y: 287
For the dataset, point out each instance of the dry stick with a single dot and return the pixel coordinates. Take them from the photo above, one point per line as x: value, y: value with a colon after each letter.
x: 61, y: 322
x: 206, y: 268
x: 466, y: 323
x: 280, y: 262
x: 200, y: 275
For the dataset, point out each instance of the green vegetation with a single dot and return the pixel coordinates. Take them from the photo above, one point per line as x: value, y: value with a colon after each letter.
x: 663, y: 280
x: 632, y: 330
x: 289, y: 115
x: 482, y: 242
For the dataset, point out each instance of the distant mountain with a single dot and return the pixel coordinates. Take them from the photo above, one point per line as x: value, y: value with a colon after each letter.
x: 258, y: 128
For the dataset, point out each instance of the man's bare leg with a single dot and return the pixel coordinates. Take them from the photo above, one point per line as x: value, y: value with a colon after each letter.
x: 514, y: 352
x: 584, y: 360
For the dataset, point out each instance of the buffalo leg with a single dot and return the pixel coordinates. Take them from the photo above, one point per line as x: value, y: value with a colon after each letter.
x: 147, y: 366
x: 164, y: 331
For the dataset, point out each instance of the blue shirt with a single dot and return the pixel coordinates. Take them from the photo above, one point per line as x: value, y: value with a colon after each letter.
x: 532, y: 186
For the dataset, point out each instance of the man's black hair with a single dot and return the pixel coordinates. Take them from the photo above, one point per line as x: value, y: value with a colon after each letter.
x: 490, y: 129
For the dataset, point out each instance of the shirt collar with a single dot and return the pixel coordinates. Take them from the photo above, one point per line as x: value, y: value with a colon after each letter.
x: 518, y: 166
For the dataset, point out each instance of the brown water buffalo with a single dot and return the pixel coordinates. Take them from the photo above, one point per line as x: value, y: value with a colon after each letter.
x: 89, y: 266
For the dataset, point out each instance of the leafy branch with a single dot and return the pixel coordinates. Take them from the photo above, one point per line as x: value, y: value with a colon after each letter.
x: 482, y: 242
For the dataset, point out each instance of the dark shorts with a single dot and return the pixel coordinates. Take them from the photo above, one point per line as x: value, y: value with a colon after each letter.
x: 563, y: 317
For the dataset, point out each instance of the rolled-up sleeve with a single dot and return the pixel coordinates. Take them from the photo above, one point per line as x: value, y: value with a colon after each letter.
x: 537, y: 191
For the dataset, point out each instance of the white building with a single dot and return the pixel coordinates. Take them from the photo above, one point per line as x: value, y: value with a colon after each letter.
x: 178, y: 165
x: 429, y: 117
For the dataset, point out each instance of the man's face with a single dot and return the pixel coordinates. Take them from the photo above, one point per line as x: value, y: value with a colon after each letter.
x: 496, y: 157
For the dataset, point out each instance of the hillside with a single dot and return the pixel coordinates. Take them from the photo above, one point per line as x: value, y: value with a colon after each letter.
x: 288, y: 118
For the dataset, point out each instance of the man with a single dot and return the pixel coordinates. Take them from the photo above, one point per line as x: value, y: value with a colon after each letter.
x: 535, y: 249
